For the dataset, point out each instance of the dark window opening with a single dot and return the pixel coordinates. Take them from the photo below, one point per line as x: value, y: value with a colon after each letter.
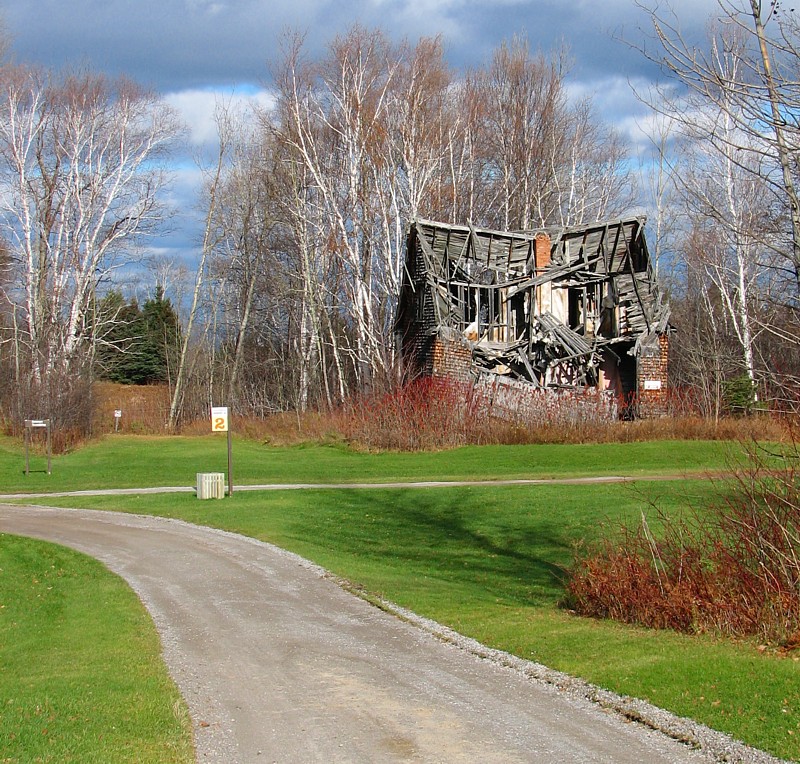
x: 575, y: 308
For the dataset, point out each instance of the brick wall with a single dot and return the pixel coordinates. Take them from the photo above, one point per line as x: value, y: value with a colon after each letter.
x: 451, y: 358
x: 543, y: 251
x: 530, y: 406
x: 652, y: 379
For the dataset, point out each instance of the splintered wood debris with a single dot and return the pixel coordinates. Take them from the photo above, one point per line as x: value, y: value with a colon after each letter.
x: 556, y: 307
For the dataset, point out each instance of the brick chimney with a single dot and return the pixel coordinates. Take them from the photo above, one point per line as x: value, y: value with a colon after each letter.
x: 542, y: 251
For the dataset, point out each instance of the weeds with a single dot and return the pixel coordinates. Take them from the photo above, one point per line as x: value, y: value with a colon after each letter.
x: 731, y: 568
x: 424, y: 414
x: 434, y: 413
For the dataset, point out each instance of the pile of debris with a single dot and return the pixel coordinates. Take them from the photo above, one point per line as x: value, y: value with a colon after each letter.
x: 553, y: 308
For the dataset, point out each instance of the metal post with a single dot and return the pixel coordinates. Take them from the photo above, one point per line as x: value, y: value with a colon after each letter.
x: 230, y: 461
x: 27, y: 443
x: 49, y: 449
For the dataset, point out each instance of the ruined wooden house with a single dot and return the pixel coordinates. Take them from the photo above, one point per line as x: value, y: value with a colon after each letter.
x: 557, y: 308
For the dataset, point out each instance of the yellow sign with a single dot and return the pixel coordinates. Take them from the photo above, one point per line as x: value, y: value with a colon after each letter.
x: 219, y: 419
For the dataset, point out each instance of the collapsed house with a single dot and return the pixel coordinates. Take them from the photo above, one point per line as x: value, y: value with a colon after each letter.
x: 554, y: 309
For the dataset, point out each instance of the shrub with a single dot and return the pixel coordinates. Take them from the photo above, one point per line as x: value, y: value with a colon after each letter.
x: 739, y: 394
x: 426, y: 413
x: 732, y: 568
x: 422, y: 414
x: 431, y: 413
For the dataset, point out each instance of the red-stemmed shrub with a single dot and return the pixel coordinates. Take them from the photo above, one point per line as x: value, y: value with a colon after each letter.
x: 731, y: 568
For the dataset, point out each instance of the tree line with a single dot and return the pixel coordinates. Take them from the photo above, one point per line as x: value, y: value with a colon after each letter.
x: 726, y: 151
x: 305, y: 203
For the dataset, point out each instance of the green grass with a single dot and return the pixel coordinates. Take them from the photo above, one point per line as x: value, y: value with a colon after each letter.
x: 130, y: 461
x: 81, y: 678
x: 489, y: 563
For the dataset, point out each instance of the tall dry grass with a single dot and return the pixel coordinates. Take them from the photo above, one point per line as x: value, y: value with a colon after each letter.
x: 730, y: 568
x: 433, y: 414
x: 144, y: 408
x: 424, y: 414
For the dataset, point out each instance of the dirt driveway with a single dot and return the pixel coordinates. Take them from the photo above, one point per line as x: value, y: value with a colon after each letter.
x: 279, y: 664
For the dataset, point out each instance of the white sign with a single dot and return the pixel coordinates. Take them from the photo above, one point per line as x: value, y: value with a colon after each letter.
x: 652, y: 384
x: 117, y: 413
x: 219, y: 419
x: 36, y: 422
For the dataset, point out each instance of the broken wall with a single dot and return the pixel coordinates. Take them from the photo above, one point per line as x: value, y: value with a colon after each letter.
x: 563, y: 309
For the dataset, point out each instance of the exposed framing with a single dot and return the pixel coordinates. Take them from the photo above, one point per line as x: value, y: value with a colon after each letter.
x: 553, y: 308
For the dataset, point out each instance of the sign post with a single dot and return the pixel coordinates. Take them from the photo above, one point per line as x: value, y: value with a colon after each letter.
x: 219, y: 423
x: 117, y: 417
x: 36, y: 424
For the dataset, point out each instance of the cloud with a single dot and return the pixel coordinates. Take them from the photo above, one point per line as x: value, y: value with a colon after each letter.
x: 183, y: 44
x: 197, y: 108
x: 206, y: 7
x: 203, y: 52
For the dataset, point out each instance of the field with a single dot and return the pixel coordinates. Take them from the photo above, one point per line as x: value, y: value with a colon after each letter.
x: 141, y: 461
x: 487, y: 561
x: 81, y: 679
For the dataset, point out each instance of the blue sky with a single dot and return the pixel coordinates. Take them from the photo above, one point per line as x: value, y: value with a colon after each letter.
x: 192, y: 50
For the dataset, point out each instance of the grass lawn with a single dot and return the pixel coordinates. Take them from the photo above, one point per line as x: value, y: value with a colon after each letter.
x: 129, y: 461
x: 81, y: 677
x: 487, y: 561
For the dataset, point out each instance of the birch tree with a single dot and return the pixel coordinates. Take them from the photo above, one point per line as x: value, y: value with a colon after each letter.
x: 783, y: 96
x: 373, y: 134
x: 81, y: 168
x: 306, y: 213
x: 723, y: 187
x: 246, y: 257
x: 413, y: 181
x: 736, y: 114
x: 335, y: 116
x: 210, y: 237
x: 760, y: 96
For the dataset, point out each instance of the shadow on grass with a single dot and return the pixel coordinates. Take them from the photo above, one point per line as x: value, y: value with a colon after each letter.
x: 460, y: 538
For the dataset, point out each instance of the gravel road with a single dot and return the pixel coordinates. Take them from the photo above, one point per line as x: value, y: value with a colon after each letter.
x: 278, y: 663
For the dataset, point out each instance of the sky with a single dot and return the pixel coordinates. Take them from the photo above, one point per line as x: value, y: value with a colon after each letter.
x: 191, y: 51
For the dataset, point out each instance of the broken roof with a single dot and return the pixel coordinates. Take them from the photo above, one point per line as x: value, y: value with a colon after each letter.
x: 605, y: 264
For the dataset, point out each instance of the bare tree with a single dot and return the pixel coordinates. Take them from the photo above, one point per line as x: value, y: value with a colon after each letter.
x: 591, y: 179
x: 522, y: 108
x: 544, y: 160
x: 659, y: 176
x: 249, y: 217
x: 783, y: 101
x: 81, y: 167
x: 211, y: 236
x: 420, y: 126
x: 306, y: 213
x: 760, y: 95
x: 373, y: 134
x: 334, y: 122
x: 735, y: 114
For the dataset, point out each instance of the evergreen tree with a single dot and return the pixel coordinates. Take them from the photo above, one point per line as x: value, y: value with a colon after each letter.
x: 137, y: 345
x: 163, y: 333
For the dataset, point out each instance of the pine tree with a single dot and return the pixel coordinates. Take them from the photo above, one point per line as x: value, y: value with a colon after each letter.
x: 163, y: 333
x: 138, y: 345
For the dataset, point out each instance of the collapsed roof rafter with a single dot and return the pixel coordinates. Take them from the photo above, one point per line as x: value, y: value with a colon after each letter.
x: 487, y: 288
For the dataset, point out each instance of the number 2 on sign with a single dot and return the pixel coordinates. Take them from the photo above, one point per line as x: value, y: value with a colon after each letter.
x: 219, y: 419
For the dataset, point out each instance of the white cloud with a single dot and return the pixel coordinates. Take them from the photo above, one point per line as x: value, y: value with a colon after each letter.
x: 622, y: 103
x: 207, y: 7
x: 197, y: 108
